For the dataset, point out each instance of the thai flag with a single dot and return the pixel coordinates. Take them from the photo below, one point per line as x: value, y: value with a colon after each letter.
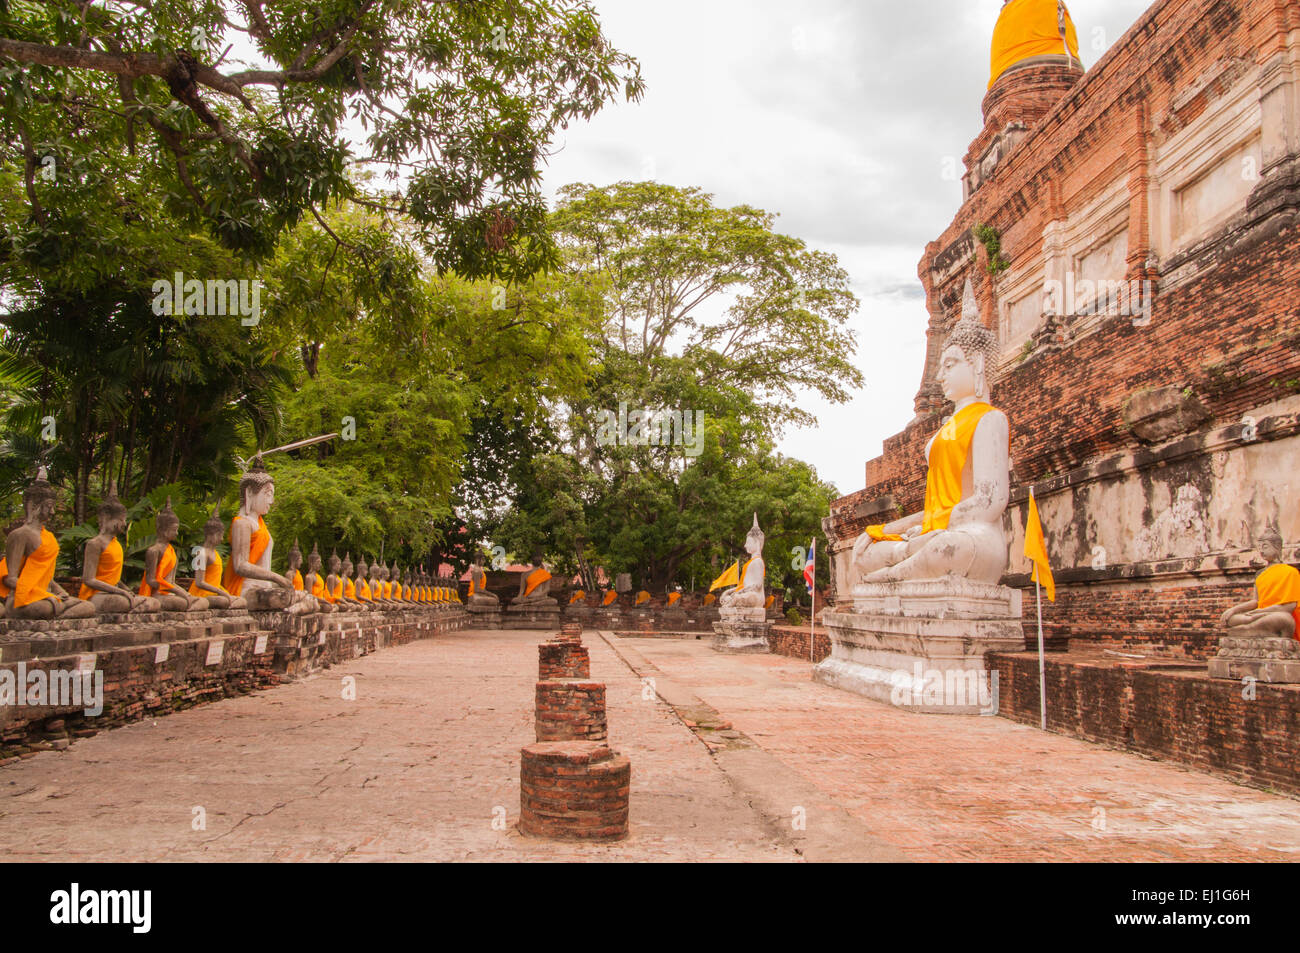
x: 810, y: 567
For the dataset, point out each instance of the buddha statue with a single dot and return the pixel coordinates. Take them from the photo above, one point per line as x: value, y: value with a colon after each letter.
x: 334, y: 584
x: 160, y: 567
x: 249, y: 573
x: 294, y: 568
x: 377, y: 587
x: 535, y: 585
x: 959, y: 533
x: 363, y: 584
x: 207, y: 582
x: 317, y: 583
x: 29, y: 590
x: 350, y: 595
x: 1275, y: 610
x: 752, y: 590
x: 479, y: 597
x: 399, y: 584
x: 101, y: 573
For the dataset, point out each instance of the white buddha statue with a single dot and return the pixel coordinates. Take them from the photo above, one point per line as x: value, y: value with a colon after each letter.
x: 750, y: 594
x: 959, y: 533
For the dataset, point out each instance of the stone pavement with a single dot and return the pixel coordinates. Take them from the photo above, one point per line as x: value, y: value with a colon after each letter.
x: 733, y: 758
x: 972, y: 788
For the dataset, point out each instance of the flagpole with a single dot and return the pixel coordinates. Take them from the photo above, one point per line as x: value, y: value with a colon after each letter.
x: 1042, y: 674
x: 812, y: 616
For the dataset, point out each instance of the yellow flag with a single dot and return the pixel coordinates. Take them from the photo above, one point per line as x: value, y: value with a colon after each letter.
x: 729, y: 578
x: 1036, y: 550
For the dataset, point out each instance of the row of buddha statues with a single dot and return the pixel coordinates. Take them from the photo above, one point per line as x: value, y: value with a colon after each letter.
x: 29, y: 590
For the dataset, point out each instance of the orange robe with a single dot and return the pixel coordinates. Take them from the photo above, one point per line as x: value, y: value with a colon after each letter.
x: 535, y: 579
x: 318, y: 587
x: 257, y: 543
x: 948, y: 455
x: 337, y: 594
x: 166, y: 566
x: 578, y: 596
x: 363, y: 591
x: 211, y: 575
x: 38, y: 572
x: 673, y: 598
x: 642, y: 597
x: 1278, y: 585
x: 297, y: 580
x: 4, y: 571
x: 109, y: 569
x: 350, y: 590
x: 610, y: 596
x: 388, y: 590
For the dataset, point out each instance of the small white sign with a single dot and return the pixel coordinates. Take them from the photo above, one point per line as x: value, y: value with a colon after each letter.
x: 259, y: 647
x: 85, y: 663
x: 161, y: 652
x: 215, y: 651
x: 321, y: 639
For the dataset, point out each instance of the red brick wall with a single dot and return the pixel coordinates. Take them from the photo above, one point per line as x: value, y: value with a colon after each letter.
x: 1175, y: 715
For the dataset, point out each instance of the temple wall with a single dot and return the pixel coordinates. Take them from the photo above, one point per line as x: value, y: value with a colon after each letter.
x: 1159, y: 433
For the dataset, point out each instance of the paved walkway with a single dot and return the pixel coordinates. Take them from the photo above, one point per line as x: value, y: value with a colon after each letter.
x: 971, y: 788
x: 733, y: 758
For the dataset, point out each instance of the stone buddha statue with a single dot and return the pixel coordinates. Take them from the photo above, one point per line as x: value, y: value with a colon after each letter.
x: 363, y: 584
x: 316, y: 582
x: 535, y: 585
x: 751, y: 592
x: 207, y: 580
x: 350, y: 595
x: 399, y: 584
x: 959, y: 533
x: 249, y: 573
x: 101, y: 573
x: 478, y: 594
x: 334, y: 581
x: 31, y: 552
x: 1275, y: 610
x: 294, y: 568
x: 377, y: 587
x: 160, y: 567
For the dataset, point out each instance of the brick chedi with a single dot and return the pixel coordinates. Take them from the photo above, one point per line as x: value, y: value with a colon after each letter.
x: 571, y: 785
x: 1136, y: 254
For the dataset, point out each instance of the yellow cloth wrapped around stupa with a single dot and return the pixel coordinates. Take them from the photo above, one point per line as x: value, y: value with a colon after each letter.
x: 1029, y: 28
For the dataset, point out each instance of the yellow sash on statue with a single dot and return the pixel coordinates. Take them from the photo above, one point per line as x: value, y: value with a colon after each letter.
x: 535, y: 579
x: 1278, y: 585
x: 610, y: 596
x: 166, y: 565
x: 212, y: 576
x: 948, y: 455
x: 109, y: 569
x: 38, y: 572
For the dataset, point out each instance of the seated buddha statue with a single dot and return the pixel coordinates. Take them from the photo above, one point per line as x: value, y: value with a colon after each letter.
x: 160, y: 567
x: 349, y: 582
x: 959, y: 533
x: 101, y: 573
x: 249, y: 572
x: 752, y: 589
x: 334, y: 583
x: 1275, y: 610
x: 294, y: 568
x: 207, y: 579
x: 377, y: 586
x: 479, y: 597
x: 535, y: 586
x: 363, y: 585
x: 27, y: 569
x: 316, y: 582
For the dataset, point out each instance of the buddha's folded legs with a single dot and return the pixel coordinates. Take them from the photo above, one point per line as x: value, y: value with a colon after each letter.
x: 1277, y: 624
x: 977, y: 552
x: 114, y: 603
x: 869, y: 556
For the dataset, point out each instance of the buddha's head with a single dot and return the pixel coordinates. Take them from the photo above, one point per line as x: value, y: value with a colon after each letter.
x: 347, y: 564
x: 965, y: 364
x: 166, y: 524
x: 295, y: 556
x: 374, y: 570
x: 362, y: 568
x: 112, y: 514
x: 537, y: 556
x: 214, y: 528
x: 335, y: 563
x: 1270, y: 545
x: 313, y: 559
x: 39, y: 498
x: 754, y: 541
x: 256, y: 489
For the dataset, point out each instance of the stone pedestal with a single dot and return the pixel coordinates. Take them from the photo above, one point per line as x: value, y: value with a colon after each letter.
x: 535, y: 615
x: 920, y: 645
x: 1263, y: 658
x: 741, y: 631
x: 484, y: 617
x: 570, y: 709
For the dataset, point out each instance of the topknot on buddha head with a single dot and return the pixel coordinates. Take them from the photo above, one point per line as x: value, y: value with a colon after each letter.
x: 39, y: 490
x: 255, y: 480
x: 110, y: 507
x: 214, y: 526
x: 755, y: 539
x: 1270, y: 538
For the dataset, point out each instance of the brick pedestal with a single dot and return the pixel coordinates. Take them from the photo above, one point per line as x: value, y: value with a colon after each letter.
x: 574, y: 790
x: 571, y: 709
x: 563, y: 659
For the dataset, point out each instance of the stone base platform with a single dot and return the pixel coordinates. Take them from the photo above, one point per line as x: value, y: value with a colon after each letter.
x: 532, y: 617
x: 921, y: 645
x: 1263, y: 658
x: 484, y: 617
x: 739, y: 634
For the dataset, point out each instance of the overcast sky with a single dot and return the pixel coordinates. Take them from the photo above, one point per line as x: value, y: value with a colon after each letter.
x: 841, y: 116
